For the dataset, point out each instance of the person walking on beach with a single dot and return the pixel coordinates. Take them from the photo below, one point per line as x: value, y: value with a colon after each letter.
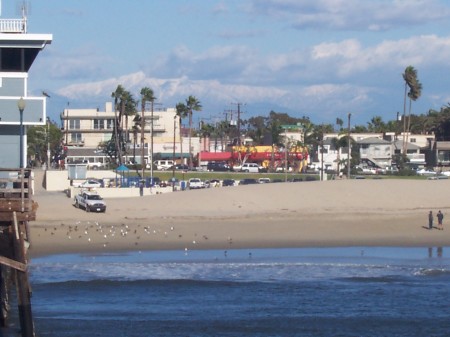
x: 440, y: 217
x: 430, y: 220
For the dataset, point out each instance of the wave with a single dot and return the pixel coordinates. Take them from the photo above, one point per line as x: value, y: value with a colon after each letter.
x: 438, y: 272
x: 217, y: 272
x: 376, y: 279
x: 239, y: 266
x: 104, y: 283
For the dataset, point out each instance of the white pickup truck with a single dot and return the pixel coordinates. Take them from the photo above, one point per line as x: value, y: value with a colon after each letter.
x: 90, y: 201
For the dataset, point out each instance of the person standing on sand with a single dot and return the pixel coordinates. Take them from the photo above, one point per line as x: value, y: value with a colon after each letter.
x: 440, y: 217
x: 430, y: 220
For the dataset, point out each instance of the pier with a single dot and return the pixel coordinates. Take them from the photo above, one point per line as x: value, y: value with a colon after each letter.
x: 17, y: 208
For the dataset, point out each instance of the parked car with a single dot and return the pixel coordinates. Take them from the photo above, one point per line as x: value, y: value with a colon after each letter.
x: 264, y: 180
x: 214, y: 183
x: 195, y: 183
x: 90, y: 183
x: 250, y: 168
x: 218, y: 166
x: 93, y: 165
x: 228, y: 182
x: 179, y: 167
x: 248, y: 181
x: 163, y: 164
x: 425, y: 172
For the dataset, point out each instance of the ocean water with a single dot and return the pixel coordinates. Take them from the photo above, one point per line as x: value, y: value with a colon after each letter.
x: 259, y: 292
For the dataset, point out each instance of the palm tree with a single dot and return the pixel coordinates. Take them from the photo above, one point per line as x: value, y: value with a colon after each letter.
x: 147, y: 95
x: 129, y: 109
x: 181, y: 113
x: 339, y: 122
x: 339, y: 143
x: 414, y: 94
x: 415, y: 91
x: 118, y: 95
x: 192, y: 104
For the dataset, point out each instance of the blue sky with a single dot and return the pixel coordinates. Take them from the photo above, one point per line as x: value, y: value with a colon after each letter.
x: 322, y: 59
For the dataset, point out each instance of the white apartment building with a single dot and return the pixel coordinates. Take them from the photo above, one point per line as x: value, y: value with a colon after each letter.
x: 85, y: 129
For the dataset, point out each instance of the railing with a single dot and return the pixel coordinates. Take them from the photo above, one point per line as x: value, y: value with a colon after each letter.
x: 13, y: 25
x: 16, y: 190
x: 416, y: 157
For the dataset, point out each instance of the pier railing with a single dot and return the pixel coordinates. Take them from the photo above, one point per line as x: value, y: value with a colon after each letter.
x: 16, y: 191
x: 16, y: 209
x: 13, y: 25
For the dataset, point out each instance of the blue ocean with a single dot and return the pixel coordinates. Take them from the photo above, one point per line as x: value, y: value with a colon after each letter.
x: 259, y: 292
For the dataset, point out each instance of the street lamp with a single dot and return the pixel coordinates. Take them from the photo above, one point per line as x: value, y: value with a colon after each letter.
x: 21, y: 105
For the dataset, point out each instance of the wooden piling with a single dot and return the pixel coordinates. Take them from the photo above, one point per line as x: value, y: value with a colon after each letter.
x: 16, y: 209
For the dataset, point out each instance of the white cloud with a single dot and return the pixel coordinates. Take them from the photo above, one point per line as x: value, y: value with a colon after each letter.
x: 372, y: 15
x: 326, y: 79
x: 81, y: 64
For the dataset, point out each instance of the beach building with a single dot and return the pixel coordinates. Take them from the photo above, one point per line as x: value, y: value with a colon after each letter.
x: 375, y: 151
x: 85, y: 130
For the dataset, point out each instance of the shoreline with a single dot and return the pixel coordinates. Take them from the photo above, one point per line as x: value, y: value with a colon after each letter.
x: 347, y: 213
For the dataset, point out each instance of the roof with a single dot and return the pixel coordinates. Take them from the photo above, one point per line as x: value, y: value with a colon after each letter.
x: 215, y: 156
x: 373, y: 140
x: 84, y: 152
x: 442, y: 145
x: 398, y: 144
x: 8, y: 40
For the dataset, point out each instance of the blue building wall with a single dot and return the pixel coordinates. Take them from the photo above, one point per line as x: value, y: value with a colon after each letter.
x: 9, y: 146
x: 12, y: 87
x: 33, y: 113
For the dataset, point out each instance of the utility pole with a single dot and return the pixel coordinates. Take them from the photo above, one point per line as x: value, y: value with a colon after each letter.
x: 239, y: 121
x: 48, y: 144
x: 67, y: 124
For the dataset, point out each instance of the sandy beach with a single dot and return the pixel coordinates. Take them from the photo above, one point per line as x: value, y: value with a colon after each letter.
x: 384, y: 212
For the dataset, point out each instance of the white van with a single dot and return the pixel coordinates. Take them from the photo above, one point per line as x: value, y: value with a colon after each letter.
x: 163, y: 164
x: 250, y: 167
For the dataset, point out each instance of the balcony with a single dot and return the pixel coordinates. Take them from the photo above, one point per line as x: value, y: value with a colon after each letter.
x: 13, y: 26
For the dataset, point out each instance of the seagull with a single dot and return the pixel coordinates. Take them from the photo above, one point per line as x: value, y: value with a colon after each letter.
x: 45, y: 94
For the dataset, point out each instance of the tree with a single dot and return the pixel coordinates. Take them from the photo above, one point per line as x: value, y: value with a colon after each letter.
x: 123, y: 104
x: 181, y: 113
x: 415, y: 91
x: 376, y: 125
x: 114, y: 151
x: 42, y: 136
x: 339, y: 143
x: 147, y: 95
x: 192, y: 104
x: 339, y: 122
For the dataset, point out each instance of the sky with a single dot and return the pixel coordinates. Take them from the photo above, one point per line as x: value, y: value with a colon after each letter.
x: 322, y: 59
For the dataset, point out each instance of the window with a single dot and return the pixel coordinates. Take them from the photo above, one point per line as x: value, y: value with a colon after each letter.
x: 74, y: 124
x: 110, y: 124
x: 413, y: 140
x: 75, y: 137
x: 99, y: 124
